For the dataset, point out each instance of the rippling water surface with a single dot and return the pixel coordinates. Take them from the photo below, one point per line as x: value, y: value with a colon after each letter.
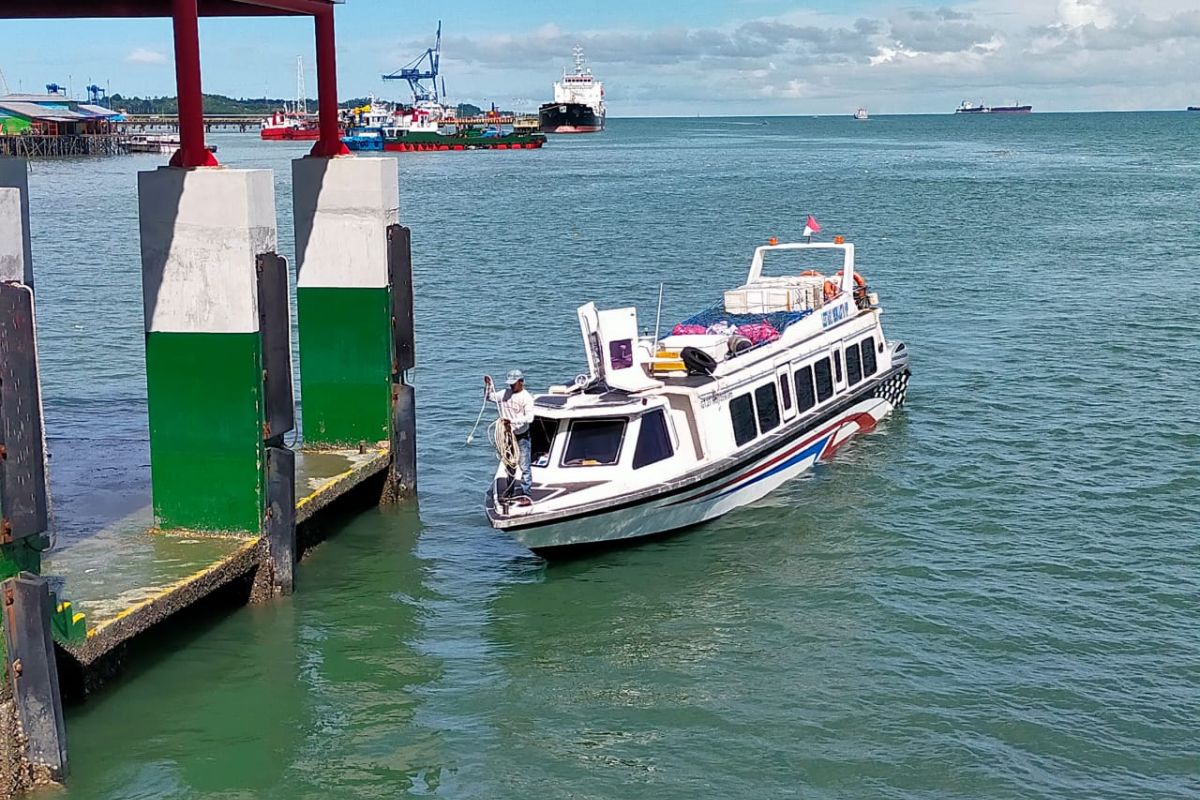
x: 992, y: 596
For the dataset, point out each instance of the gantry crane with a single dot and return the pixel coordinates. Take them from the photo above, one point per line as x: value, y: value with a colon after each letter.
x: 415, y: 73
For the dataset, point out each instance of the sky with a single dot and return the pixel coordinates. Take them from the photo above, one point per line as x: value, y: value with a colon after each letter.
x: 706, y: 57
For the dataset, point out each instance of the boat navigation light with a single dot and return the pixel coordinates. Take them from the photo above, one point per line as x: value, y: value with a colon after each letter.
x: 839, y: 239
x: 772, y: 241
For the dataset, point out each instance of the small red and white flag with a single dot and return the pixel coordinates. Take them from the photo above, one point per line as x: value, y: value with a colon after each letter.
x: 811, y: 226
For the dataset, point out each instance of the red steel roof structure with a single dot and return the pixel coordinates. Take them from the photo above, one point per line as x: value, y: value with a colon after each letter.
x: 185, y: 14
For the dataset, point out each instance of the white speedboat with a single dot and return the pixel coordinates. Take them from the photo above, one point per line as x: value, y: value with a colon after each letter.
x: 662, y: 434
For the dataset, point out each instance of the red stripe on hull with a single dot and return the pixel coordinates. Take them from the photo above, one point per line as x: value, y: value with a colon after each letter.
x: 577, y: 129
x: 288, y: 135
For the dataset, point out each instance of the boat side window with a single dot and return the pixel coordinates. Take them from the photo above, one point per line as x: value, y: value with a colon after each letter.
x: 741, y: 413
x: 868, y: 356
x: 824, y: 380
x: 853, y: 364
x: 768, y: 407
x: 620, y: 353
x: 837, y: 367
x: 785, y: 388
x: 593, y: 442
x: 806, y: 398
x: 654, y: 440
x: 541, y: 439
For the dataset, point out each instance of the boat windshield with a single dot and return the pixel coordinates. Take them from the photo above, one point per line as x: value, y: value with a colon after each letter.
x: 594, y: 442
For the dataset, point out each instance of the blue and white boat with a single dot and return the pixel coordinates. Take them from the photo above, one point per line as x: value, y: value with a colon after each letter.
x: 662, y: 434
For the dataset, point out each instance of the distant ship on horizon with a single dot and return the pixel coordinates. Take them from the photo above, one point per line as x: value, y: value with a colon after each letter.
x: 967, y: 107
x: 1193, y: 108
x: 861, y: 115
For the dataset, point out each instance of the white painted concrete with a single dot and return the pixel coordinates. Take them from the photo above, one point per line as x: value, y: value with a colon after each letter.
x: 342, y: 208
x: 201, y: 232
x: 16, y: 252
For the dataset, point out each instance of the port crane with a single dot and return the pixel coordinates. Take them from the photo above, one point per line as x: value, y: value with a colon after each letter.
x: 415, y: 73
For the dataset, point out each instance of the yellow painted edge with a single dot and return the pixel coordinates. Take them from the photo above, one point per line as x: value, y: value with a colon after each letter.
x: 308, y: 498
x: 173, y: 587
x: 247, y: 546
x: 316, y: 493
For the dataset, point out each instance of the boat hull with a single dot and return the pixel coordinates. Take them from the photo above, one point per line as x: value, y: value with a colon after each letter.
x: 995, y: 110
x: 428, y: 142
x: 290, y: 134
x: 761, y: 472
x: 569, y: 118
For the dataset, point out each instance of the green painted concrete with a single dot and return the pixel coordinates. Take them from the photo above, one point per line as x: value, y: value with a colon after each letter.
x: 206, y: 430
x: 23, y: 555
x: 345, y: 364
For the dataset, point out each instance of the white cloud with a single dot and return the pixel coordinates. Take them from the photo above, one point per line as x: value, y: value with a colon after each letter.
x: 1066, y: 54
x: 1077, y: 13
x: 144, y: 55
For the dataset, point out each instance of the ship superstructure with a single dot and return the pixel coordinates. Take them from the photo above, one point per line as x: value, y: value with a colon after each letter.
x: 578, y: 105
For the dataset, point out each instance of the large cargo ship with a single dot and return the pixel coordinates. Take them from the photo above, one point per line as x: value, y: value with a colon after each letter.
x: 578, y: 105
x: 967, y: 107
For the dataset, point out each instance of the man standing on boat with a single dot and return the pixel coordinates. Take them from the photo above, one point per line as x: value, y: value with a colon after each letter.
x: 516, y: 415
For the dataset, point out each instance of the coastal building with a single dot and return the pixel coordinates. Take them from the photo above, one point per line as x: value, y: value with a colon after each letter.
x: 53, y: 124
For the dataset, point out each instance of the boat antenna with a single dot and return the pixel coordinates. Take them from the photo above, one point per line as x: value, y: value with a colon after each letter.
x: 658, y: 315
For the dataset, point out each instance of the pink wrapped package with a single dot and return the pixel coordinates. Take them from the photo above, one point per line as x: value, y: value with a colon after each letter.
x: 685, y: 330
x: 759, y: 332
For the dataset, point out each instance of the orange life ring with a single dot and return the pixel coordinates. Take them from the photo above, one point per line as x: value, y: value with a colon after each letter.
x: 859, y: 281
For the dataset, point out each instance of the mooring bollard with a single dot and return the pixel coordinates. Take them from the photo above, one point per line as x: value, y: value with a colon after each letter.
x: 402, y: 478
x: 33, y: 672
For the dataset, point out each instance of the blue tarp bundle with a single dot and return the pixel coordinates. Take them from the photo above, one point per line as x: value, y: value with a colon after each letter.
x: 779, y: 320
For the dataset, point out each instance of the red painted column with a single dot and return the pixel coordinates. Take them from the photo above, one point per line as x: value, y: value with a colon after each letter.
x: 192, y: 152
x: 330, y: 143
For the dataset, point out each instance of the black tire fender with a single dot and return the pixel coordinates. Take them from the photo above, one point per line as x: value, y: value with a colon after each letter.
x: 697, y: 361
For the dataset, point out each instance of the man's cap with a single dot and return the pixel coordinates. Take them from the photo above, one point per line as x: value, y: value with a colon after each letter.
x: 514, y: 376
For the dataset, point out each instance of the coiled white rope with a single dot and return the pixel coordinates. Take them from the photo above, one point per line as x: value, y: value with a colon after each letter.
x: 505, y: 442
x: 502, y: 436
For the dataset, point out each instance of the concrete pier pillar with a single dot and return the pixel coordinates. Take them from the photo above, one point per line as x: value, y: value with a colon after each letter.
x: 23, y: 485
x: 202, y: 231
x: 343, y: 208
x: 16, y: 252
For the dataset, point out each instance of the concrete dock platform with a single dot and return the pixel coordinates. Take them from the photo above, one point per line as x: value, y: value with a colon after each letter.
x: 128, y: 578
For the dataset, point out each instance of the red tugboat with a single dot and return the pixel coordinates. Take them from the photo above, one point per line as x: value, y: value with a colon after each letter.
x: 289, y: 126
x: 292, y: 124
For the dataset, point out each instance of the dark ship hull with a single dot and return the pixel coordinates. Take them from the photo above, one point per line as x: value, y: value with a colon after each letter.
x: 569, y: 118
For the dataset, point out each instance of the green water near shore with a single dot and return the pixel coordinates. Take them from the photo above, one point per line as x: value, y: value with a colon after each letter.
x: 992, y: 596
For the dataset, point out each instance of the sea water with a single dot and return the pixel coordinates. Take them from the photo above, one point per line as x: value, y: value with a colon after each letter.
x: 993, y: 595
